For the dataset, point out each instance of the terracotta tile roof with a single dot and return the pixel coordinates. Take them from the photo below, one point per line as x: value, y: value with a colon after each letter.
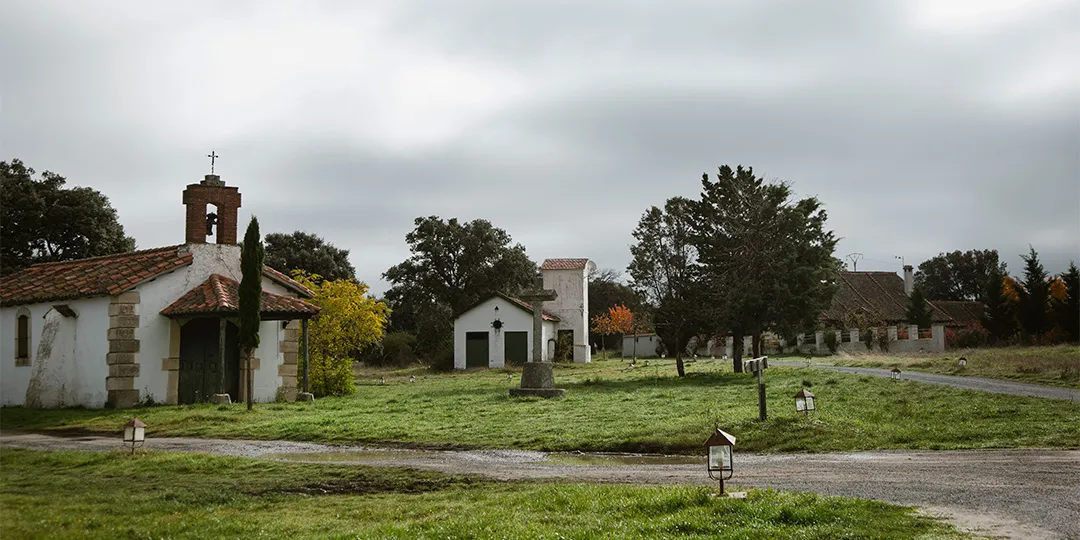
x: 221, y: 295
x: 528, y: 307
x: 880, y: 293
x: 514, y: 302
x: 287, y: 282
x: 94, y: 276
x: 962, y: 312
x: 564, y: 264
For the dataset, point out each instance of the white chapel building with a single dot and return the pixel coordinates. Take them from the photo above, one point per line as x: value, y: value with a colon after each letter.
x: 497, y: 331
x: 117, y: 330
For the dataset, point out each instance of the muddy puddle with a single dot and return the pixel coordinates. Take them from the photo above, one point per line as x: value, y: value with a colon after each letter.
x: 349, y: 455
x: 575, y: 458
x: 622, y: 459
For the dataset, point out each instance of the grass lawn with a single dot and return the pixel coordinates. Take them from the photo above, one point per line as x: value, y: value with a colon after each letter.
x: 608, y: 408
x: 111, y: 495
x: 1057, y: 366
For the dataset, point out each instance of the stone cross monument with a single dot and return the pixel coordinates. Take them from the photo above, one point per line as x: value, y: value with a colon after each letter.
x: 537, y: 378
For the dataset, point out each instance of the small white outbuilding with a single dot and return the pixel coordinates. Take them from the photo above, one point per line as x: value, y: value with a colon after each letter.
x: 497, y: 331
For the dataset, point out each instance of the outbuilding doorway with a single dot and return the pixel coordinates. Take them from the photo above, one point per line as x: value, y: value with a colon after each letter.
x: 516, y: 347
x: 200, y: 368
x: 476, y: 349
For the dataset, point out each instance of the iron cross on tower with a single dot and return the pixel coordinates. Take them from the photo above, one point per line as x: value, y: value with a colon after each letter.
x: 212, y: 157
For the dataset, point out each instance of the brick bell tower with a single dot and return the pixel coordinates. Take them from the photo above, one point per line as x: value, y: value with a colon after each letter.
x: 200, y: 223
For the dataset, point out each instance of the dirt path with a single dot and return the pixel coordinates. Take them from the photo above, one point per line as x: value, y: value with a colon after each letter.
x: 995, y: 386
x: 1004, y: 493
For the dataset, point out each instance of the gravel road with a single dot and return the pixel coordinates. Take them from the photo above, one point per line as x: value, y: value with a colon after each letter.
x: 1029, y: 494
x: 995, y: 386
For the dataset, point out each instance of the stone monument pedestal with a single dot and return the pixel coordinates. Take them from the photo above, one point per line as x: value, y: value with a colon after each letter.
x: 537, y: 379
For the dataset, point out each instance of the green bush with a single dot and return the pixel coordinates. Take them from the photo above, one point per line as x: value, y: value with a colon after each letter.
x: 867, y: 337
x: 330, y: 376
x: 395, y: 349
x: 830, y: 341
x: 883, y: 339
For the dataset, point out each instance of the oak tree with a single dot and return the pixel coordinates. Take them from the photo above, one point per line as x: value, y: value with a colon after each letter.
x: 309, y: 253
x: 958, y: 275
x: 43, y: 221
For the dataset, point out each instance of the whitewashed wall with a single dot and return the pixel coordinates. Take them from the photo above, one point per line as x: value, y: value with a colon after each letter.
x: 646, y: 345
x: 479, y: 319
x: 154, y: 328
x: 84, y: 382
x: 572, y: 306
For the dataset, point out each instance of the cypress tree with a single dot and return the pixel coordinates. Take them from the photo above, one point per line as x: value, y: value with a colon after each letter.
x: 1033, y: 297
x: 999, y: 316
x: 918, y: 311
x: 251, y: 266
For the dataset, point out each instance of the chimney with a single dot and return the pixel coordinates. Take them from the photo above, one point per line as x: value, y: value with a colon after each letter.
x: 909, y: 279
x: 199, y: 223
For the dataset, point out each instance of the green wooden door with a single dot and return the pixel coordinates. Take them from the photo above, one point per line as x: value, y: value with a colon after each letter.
x: 200, y: 368
x: 517, y: 347
x: 476, y: 349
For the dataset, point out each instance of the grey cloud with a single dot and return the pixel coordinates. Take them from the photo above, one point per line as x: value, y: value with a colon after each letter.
x: 906, y: 134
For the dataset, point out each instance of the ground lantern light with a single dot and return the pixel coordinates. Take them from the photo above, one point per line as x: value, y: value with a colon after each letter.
x: 720, y: 446
x: 896, y: 373
x: 134, y: 433
x: 804, y: 401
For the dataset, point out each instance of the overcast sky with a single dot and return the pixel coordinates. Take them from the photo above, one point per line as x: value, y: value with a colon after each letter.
x: 924, y: 126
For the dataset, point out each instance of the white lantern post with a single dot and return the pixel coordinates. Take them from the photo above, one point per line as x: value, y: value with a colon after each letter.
x: 804, y: 402
x: 134, y: 434
x: 720, y: 445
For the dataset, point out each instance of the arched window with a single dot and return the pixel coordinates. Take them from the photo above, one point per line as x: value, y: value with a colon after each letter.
x: 22, y: 338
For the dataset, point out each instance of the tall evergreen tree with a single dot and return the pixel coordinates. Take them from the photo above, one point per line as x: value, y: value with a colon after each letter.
x: 999, y: 316
x: 1068, y: 311
x: 767, y: 260
x: 1034, y: 297
x: 251, y: 266
x: 918, y: 311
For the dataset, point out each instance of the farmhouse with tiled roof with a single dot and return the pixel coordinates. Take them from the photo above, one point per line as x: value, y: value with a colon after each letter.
x: 153, y: 325
x: 885, y: 296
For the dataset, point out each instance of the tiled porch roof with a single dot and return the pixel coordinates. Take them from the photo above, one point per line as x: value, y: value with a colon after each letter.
x: 220, y: 295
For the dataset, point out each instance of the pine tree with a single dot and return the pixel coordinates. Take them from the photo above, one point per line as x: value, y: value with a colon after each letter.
x: 1034, y: 296
x: 251, y: 267
x: 1068, y: 311
x: 999, y: 317
x: 918, y: 311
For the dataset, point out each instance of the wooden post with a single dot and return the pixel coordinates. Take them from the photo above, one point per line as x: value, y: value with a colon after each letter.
x: 304, y: 331
x: 761, y: 393
x: 221, y: 355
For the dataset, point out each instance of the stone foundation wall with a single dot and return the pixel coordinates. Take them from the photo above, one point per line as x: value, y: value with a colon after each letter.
x: 123, y: 349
